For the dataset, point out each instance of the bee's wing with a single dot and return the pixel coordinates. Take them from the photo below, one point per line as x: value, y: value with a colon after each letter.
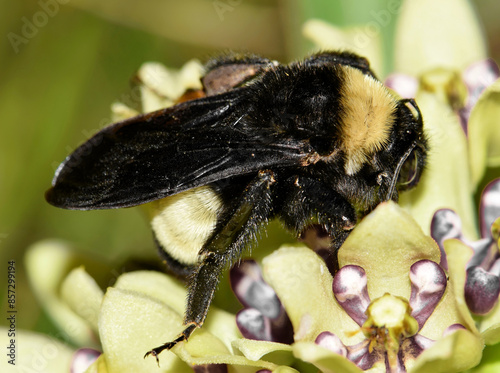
x: 159, y: 154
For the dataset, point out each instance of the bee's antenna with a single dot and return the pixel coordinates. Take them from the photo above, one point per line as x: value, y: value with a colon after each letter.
x: 398, y: 170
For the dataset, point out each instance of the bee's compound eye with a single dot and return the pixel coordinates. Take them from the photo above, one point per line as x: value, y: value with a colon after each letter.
x: 408, y: 176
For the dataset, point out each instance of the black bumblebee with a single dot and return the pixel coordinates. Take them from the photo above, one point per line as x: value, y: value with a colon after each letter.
x: 320, y: 141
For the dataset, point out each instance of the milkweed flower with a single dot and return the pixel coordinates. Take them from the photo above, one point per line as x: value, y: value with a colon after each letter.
x: 399, y: 267
x: 263, y: 317
x: 398, y: 301
x: 144, y: 308
x: 141, y: 309
x: 482, y: 273
x: 457, y: 91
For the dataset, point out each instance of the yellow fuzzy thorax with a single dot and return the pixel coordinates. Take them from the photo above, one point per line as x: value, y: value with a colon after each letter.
x: 368, y: 116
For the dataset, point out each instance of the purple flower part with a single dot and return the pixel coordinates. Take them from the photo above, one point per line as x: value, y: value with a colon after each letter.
x: 252, y: 291
x: 210, y: 368
x: 399, y: 368
x: 464, y: 115
x: 453, y: 328
x: 403, y: 84
x: 82, y: 359
x: 489, y: 209
x: 350, y: 290
x: 263, y: 318
x: 331, y: 342
x: 254, y: 325
x: 414, y: 346
x: 360, y: 354
x: 428, y: 283
x: 481, y: 290
x: 477, y: 77
x: 445, y: 224
x: 264, y: 371
x: 483, y: 255
x: 282, y: 329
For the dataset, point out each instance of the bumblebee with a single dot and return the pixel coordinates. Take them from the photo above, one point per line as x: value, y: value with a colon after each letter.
x: 319, y: 141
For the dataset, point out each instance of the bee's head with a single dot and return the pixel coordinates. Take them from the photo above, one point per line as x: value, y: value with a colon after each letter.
x: 407, y: 148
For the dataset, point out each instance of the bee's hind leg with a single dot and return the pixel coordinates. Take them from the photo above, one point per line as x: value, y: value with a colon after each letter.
x: 233, y: 233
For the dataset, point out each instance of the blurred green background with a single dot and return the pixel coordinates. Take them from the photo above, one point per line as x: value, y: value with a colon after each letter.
x: 63, y: 63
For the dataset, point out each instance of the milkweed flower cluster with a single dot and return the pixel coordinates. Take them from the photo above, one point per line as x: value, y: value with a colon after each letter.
x: 418, y: 285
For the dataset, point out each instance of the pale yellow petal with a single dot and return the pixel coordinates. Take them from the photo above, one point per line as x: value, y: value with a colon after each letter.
x: 47, y: 264
x: 80, y: 291
x: 34, y: 352
x: 385, y: 244
x: 161, y: 86
x: 363, y: 40
x: 278, y: 353
x: 326, y: 360
x: 458, y: 254
x: 484, y: 133
x: 304, y: 286
x: 446, y: 181
x: 130, y: 324
x: 455, y: 352
x: 98, y: 366
x: 431, y: 34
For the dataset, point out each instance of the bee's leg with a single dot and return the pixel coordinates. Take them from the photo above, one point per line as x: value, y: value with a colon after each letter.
x: 310, y: 202
x: 232, y: 234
